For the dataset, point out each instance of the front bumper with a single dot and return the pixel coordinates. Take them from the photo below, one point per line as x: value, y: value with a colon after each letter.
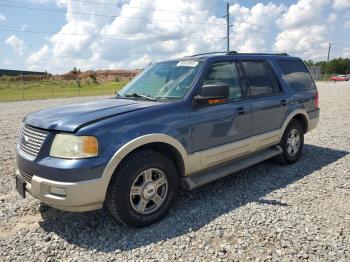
x: 79, y: 196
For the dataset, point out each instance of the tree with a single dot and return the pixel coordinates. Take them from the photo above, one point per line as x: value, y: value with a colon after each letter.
x: 93, y: 77
x: 75, y: 71
x: 337, y: 66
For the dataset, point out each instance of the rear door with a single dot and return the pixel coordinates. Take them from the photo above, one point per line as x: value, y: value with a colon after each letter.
x: 268, y: 102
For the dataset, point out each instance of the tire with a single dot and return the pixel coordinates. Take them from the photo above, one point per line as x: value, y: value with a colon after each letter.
x: 144, y: 171
x: 289, y: 156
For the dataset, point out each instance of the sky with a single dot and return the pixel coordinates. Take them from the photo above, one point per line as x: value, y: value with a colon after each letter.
x: 56, y: 35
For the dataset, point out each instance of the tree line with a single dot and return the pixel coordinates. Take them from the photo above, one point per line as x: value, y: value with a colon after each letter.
x: 339, y: 66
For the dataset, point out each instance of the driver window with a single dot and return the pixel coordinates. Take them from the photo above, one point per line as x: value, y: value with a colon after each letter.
x: 225, y: 72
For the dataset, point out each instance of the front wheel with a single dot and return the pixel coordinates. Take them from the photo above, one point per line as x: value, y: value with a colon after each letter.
x: 292, y: 143
x: 142, y: 189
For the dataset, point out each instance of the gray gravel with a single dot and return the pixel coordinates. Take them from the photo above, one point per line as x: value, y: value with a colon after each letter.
x: 267, y: 212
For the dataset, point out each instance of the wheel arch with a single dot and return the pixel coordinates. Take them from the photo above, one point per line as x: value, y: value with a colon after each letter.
x: 301, y: 118
x: 162, y: 143
x: 299, y: 115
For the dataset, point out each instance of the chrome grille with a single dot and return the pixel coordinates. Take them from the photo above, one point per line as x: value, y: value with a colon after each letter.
x: 31, y: 140
x: 26, y: 176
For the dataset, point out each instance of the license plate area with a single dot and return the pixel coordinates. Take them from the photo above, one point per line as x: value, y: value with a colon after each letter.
x: 21, y: 186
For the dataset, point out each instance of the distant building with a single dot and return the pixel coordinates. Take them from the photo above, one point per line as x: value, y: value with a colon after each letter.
x: 8, y: 72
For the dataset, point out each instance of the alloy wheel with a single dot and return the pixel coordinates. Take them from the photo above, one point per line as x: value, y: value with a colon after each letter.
x: 149, y: 191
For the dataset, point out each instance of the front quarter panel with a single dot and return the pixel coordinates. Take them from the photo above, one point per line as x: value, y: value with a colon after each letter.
x: 170, y: 119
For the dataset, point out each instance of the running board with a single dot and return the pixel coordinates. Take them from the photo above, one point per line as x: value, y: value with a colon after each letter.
x: 193, y: 181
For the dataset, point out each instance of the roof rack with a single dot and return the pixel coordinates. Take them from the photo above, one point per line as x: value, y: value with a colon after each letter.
x: 209, y: 53
x: 236, y: 53
x: 278, y: 54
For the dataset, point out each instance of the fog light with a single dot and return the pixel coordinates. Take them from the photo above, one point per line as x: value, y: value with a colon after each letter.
x: 58, y: 191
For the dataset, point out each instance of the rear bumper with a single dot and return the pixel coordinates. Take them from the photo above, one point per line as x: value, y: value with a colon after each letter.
x: 78, y: 197
x: 314, y: 117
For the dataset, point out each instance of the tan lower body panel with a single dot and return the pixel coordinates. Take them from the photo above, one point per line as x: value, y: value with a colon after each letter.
x: 214, y: 156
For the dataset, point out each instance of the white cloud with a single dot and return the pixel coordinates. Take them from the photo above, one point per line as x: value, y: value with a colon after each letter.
x: 37, y: 60
x: 302, y: 13
x: 2, y: 18
x: 307, y: 42
x: 300, y: 29
x: 131, y: 42
x: 16, y: 43
x: 340, y: 4
x: 304, y: 32
x: 251, y: 26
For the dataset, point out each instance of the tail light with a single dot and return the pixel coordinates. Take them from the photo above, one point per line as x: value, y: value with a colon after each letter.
x: 316, y: 100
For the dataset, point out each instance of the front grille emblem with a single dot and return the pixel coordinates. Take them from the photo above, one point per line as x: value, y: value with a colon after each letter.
x: 26, y: 139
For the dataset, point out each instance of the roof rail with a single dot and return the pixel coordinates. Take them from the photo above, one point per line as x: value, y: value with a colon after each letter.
x: 236, y: 53
x: 209, y: 53
x: 279, y: 54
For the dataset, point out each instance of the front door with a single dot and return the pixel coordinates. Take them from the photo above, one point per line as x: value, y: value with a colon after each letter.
x: 220, y: 124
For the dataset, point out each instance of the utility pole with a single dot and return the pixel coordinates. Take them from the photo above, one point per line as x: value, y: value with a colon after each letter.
x: 329, y: 51
x: 228, y: 26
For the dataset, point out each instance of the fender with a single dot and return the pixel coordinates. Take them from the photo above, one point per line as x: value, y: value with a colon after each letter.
x: 122, y: 152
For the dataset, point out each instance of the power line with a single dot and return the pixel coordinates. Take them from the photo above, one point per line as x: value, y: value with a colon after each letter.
x: 104, y: 15
x: 256, y: 30
x: 112, y: 36
x: 127, y: 6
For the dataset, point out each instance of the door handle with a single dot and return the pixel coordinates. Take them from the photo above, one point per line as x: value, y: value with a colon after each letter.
x: 240, y: 110
x: 283, y: 102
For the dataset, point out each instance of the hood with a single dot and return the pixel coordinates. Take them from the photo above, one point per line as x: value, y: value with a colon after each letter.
x: 71, y: 117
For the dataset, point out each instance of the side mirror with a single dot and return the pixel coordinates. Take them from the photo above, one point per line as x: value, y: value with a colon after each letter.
x: 212, y: 94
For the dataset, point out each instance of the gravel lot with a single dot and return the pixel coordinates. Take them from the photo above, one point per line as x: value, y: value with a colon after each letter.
x: 267, y: 212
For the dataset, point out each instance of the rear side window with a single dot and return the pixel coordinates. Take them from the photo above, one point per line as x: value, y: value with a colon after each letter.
x: 260, y: 77
x: 296, y: 74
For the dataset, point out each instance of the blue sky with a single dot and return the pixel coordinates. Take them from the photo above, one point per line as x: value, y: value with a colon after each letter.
x: 130, y: 34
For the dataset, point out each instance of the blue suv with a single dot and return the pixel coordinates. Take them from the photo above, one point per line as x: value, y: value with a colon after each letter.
x: 179, y: 123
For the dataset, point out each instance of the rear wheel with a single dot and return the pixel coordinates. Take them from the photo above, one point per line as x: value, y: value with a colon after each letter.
x: 292, y: 143
x: 142, y: 189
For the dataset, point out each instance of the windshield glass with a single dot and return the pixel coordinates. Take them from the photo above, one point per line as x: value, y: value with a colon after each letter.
x: 166, y: 80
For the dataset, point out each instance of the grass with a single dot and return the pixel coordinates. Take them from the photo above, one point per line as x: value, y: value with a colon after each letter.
x: 41, y: 89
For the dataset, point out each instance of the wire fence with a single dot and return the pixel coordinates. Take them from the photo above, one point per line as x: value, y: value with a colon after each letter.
x: 19, y: 89
x: 14, y: 89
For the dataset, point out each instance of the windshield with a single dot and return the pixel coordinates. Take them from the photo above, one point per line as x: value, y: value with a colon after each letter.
x: 166, y: 80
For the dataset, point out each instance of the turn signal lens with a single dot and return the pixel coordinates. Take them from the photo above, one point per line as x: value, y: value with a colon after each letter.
x: 90, y: 145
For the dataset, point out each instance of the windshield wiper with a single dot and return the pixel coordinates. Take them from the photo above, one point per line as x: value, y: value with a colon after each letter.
x: 140, y: 95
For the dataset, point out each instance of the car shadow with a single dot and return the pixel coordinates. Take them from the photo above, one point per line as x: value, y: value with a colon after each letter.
x: 97, y: 230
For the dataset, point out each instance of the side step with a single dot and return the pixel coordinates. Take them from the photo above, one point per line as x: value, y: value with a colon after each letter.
x: 193, y: 181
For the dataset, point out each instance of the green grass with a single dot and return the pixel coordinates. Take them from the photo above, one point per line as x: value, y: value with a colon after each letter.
x: 43, y: 89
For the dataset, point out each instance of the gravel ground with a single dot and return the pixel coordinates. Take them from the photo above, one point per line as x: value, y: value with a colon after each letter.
x: 267, y: 212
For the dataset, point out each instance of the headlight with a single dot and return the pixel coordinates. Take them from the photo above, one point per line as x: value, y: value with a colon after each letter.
x: 72, y: 147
